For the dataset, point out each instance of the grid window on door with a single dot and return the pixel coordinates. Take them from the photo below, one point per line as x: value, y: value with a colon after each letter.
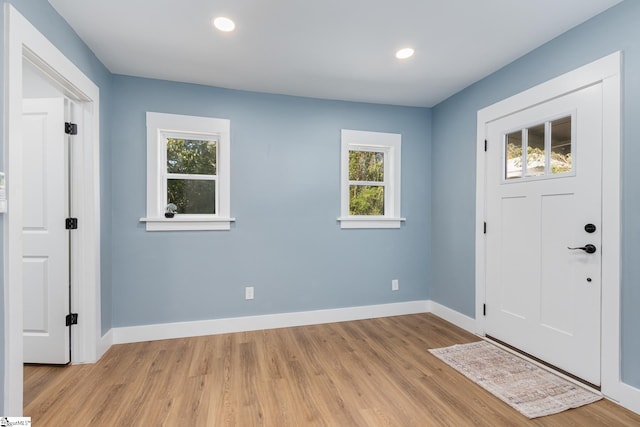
x: 543, y: 150
x: 191, y: 178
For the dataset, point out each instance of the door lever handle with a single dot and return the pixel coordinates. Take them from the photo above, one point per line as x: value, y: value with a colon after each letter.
x: 590, y: 249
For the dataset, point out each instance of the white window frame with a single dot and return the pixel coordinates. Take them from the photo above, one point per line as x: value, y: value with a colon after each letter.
x: 390, y: 145
x: 159, y: 127
x: 166, y: 175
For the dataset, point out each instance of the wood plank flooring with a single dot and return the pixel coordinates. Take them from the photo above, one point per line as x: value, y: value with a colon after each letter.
x: 365, y: 373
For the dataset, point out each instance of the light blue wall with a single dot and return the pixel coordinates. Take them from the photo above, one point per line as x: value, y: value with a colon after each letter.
x: 454, y: 139
x: 285, y: 195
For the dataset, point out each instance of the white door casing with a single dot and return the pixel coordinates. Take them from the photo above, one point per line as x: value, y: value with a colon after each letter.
x: 45, y: 270
x: 25, y: 42
x: 542, y: 297
x: 608, y: 71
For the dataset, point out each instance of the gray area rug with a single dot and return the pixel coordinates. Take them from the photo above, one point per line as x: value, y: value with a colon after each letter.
x: 532, y: 391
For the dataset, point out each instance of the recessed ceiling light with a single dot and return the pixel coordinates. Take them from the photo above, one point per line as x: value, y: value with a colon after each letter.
x: 224, y: 24
x: 405, y: 53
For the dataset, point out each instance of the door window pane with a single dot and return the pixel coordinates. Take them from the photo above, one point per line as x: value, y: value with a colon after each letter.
x: 366, y: 200
x: 513, y: 155
x: 561, y: 161
x: 192, y: 196
x: 536, y: 159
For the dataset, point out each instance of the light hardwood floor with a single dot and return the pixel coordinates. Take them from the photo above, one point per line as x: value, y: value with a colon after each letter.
x: 365, y: 373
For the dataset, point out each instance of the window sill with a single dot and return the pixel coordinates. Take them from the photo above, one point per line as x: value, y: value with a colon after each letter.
x: 370, y: 222
x: 187, y: 223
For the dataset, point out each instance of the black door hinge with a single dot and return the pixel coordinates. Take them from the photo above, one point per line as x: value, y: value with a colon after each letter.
x: 485, y: 145
x: 484, y: 309
x: 70, y: 128
x: 71, y: 319
x: 485, y: 227
x: 71, y: 223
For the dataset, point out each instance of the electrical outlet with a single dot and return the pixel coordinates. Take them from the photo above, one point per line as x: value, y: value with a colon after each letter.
x: 394, y: 285
x: 248, y: 292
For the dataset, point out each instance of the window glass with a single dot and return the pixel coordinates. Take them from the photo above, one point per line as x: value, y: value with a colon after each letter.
x: 191, y: 175
x: 366, y: 200
x: 561, y: 161
x: 513, y: 155
x: 365, y: 169
x: 366, y: 166
x: 192, y: 196
x: 191, y: 156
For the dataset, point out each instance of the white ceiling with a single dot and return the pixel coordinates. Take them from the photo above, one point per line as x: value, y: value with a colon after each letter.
x: 335, y: 49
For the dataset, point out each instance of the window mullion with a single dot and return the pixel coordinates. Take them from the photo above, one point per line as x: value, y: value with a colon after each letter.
x: 195, y: 177
x: 369, y: 183
x: 525, y: 150
x: 547, y: 148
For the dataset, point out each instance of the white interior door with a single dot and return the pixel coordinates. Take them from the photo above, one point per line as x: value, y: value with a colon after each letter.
x: 543, y: 189
x: 45, y: 238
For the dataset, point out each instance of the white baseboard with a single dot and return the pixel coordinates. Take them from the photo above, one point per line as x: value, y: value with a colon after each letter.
x: 627, y: 396
x: 270, y: 321
x: 104, y: 343
x: 460, y: 320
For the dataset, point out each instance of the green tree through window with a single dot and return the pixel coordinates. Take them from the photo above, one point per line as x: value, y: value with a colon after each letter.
x: 192, y: 175
x: 366, y: 182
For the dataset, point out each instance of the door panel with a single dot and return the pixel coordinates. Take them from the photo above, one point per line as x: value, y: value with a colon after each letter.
x: 541, y: 296
x: 513, y: 300
x: 36, y: 278
x: 555, y: 289
x: 45, y: 239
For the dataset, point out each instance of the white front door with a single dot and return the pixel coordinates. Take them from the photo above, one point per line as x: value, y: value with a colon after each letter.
x: 544, y: 195
x: 45, y: 238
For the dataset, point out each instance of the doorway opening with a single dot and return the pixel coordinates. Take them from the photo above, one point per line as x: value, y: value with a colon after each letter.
x: 543, y: 184
x: 604, y: 73
x: 48, y: 158
x: 26, y: 45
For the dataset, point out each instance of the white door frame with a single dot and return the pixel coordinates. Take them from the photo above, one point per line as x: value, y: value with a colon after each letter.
x: 23, y: 40
x: 608, y: 71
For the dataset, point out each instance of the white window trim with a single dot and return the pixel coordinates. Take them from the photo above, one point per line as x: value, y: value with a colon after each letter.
x: 159, y: 124
x: 390, y: 144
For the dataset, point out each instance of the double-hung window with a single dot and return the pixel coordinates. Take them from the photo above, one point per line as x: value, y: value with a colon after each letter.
x: 370, y: 180
x: 187, y: 173
x: 190, y: 177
